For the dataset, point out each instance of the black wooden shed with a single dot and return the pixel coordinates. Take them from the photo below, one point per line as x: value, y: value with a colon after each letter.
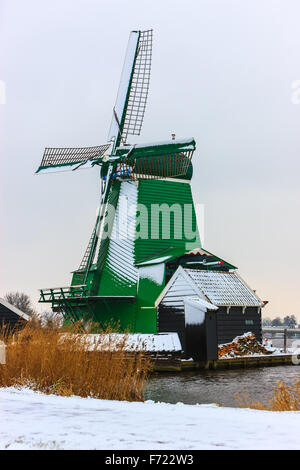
x: 11, y: 316
x: 207, y: 308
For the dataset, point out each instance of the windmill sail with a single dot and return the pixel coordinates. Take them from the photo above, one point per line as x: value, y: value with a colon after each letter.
x: 132, y: 96
x: 62, y: 159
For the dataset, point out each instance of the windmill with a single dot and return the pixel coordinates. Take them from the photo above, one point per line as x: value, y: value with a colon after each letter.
x: 119, y: 276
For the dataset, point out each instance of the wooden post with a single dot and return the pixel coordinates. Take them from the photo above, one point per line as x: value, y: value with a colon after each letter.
x: 284, y: 339
x: 2, y: 353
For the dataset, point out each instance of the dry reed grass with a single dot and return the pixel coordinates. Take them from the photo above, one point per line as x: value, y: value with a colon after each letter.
x: 284, y: 398
x: 55, y: 360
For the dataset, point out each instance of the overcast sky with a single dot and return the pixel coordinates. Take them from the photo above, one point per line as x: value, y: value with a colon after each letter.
x: 222, y: 72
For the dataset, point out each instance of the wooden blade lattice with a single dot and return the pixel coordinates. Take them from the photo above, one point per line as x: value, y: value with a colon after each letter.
x: 139, y: 88
x: 59, y: 157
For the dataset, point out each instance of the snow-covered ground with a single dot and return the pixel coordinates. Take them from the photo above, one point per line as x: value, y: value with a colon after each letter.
x: 35, y: 421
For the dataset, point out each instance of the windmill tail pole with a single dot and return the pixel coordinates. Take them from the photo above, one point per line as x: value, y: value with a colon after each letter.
x: 285, y: 339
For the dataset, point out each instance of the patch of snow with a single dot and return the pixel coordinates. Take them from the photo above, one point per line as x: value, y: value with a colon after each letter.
x: 188, y: 142
x: 148, y: 342
x: 237, y: 338
x: 195, y: 309
x: 155, y: 273
x: 32, y: 420
x: 194, y: 314
x: 280, y: 351
x: 155, y: 260
x: 200, y: 303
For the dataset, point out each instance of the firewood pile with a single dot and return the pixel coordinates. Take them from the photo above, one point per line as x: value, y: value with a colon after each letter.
x: 245, y: 345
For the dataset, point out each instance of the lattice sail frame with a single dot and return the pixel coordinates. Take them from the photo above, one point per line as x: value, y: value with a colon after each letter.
x: 133, y: 90
x: 138, y: 94
x: 61, y: 158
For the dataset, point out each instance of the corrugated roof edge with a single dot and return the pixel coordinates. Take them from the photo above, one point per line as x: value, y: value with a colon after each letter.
x: 177, y: 273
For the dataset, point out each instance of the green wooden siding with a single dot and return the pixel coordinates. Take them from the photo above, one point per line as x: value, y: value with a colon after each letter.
x: 162, y: 194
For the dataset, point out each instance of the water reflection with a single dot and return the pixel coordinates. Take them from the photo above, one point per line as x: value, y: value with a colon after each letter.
x: 217, y: 386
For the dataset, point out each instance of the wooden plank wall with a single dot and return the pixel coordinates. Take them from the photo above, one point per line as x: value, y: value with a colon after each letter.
x: 234, y: 323
x: 229, y: 325
x: 10, y: 318
x: 171, y: 320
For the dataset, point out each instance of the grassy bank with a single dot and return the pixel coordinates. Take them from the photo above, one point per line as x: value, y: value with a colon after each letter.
x: 284, y: 397
x: 55, y: 360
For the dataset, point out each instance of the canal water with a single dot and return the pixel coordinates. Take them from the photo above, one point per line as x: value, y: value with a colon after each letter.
x: 218, y: 386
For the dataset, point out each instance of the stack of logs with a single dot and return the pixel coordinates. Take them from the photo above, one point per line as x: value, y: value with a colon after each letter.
x: 245, y: 345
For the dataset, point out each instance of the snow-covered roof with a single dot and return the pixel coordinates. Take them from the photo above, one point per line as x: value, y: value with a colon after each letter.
x: 185, y: 141
x: 168, y: 342
x: 14, y: 309
x: 224, y: 288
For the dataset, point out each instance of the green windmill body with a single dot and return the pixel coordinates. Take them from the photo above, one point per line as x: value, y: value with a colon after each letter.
x: 146, y: 224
